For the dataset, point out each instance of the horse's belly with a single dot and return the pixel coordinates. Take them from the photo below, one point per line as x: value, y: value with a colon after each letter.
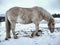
x: 23, y: 21
x: 19, y: 20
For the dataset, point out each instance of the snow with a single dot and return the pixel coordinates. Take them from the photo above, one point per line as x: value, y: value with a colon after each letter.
x: 23, y: 31
x: 2, y: 15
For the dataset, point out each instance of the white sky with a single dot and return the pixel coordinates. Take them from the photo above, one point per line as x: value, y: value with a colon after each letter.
x: 51, y: 5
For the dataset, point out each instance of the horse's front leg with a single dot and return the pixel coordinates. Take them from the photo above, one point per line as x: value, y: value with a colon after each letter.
x: 13, y: 30
x: 36, y: 31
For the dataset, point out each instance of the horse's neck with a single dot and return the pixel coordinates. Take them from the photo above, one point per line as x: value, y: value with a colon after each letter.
x: 45, y: 14
x: 47, y: 17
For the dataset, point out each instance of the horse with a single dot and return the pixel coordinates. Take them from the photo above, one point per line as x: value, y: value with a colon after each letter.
x: 26, y: 16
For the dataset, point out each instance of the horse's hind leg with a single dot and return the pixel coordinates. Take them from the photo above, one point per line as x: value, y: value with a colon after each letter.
x: 8, y: 28
x: 13, y: 29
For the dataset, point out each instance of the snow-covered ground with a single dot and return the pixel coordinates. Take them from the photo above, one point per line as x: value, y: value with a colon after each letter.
x: 46, y: 38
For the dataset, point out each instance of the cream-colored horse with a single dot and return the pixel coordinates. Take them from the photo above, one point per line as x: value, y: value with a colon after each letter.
x: 26, y: 16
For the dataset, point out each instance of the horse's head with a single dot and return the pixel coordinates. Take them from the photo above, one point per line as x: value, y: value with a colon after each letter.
x: 51, y: 25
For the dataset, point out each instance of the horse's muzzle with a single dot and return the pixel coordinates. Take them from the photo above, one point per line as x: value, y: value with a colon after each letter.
x: 52, y: 30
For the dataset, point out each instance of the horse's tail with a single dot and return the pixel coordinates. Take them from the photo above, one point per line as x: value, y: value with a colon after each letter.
x: 8, y: 27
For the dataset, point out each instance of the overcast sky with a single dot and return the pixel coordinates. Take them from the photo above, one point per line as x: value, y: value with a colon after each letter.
x: 53, y: 6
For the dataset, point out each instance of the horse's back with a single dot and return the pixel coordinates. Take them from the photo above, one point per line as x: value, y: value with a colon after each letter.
x: 27, y: 14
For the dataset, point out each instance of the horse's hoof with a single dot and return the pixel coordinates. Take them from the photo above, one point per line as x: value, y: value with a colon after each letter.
x: 6, y: 38
x: 31, y: 37
x: 9, y: 37
x: 16, y: 37
x: 39, y: 31
x: 37, y: 34
x: 32, y: 34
